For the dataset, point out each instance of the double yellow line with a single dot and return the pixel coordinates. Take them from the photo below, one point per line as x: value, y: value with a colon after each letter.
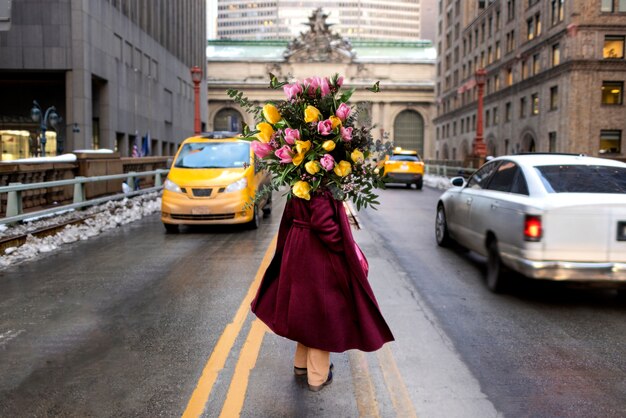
x: 363, y: 387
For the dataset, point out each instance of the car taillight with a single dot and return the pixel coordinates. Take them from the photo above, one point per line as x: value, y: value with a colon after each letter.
x: 532, y: 228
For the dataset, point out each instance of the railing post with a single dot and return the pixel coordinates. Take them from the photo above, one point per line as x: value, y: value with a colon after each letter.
x: 14, y: 202
x: 79, y: 190
x: 131, y: 180
x: 157, y: 179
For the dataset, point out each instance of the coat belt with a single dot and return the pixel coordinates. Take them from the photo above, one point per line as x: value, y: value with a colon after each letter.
x: 302, y: 224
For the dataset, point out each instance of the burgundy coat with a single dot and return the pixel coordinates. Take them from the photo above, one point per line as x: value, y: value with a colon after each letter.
x: 315, y: 290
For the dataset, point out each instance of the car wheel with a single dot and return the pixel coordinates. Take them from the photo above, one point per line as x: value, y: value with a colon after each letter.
x: 267, y: 209
x: 171, y: 228
x: 408, y: 185
x: 419, y: 185
x: 496, y: 278
x: 255, y: 223
x: 441, y: 228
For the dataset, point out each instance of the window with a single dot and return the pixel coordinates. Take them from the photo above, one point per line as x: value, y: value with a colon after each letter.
x: 498, y: 51
x: 551, y: 141
x: 610, y: 142
x: 507, y: 112
x: 557, y: 11
x: 524, y: 69
x: 621, y: 6
x: 613, y: 47
x: 536, y: 64
x: 582, y: 178
x: 522, y: 107
x: 509, y: 77
x: 612, y: 92
x: 510, y: 9
x: 534, y: 99
x: 508, y: 178
x: 495, y: 116
x: 556, y: 55
x: 480, y: 178
x: 554, y: 97
x: 607, y: 6
x: 530, y: 29
x: 487, y: 118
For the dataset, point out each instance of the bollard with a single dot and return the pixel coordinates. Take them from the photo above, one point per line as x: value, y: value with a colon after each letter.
x: 79, y: 190
x: 14, y: 202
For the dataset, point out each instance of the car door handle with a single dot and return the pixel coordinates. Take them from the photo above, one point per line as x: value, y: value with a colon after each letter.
x: 468, y: 201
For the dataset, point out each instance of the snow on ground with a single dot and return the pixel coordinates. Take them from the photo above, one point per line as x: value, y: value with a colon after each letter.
x: 104, y: 217
x: 437, y: 182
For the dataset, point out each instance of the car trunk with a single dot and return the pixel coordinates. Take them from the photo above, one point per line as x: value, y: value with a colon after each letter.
x: 584, y: 227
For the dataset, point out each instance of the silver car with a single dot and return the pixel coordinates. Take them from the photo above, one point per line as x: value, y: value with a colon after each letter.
x: 547, y: 216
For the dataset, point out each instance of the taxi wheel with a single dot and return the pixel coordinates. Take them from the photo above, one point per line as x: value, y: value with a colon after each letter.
x: 255, y: 223
x: 171, y: 228
x: 496, y: 272
x: 419, y: 185
x: 408, y: 185
x: 267, y: 209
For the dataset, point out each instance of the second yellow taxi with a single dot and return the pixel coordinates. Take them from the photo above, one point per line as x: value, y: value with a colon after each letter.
x: 404, y: 166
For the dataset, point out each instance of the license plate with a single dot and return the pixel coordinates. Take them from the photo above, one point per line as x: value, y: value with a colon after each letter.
x: 404, y: 167
x: 200, y: 211
x: 621, y: 231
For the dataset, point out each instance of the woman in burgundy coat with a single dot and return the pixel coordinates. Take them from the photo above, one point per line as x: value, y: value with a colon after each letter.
x: 315, y: 290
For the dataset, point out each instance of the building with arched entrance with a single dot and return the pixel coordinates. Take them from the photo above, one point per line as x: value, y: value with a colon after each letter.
x: 403, y: 109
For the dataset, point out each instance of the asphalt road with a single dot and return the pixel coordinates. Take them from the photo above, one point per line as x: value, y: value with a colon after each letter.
x: 139, y: 323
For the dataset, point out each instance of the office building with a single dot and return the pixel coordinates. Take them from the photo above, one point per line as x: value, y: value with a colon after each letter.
x: 116, y: 71
x: 555, y: 73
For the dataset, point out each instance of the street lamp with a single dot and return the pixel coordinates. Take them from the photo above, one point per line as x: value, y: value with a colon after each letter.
x: 196, y: 77
x: 480, y: 149
x: 50, y: 117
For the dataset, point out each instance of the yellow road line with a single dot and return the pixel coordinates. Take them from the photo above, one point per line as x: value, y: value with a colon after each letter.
x: 247, y: 360
x: 218, y: 357
x: 395, y: 384
x: 363, y: 386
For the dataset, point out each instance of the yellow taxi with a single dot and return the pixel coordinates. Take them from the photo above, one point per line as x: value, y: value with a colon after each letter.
x: 404, y: 166
x: 212, y: 180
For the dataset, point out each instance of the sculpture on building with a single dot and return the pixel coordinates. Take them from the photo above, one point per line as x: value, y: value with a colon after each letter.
x: 319, y: 44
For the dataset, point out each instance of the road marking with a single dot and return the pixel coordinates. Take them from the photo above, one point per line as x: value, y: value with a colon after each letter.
x: 220, y: 353
x: 395, y: 384
x: 363, y: 386
x: 247, y: 360
x: 5, y: 337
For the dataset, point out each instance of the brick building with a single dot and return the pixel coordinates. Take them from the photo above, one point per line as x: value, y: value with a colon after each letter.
x: 555, y: 76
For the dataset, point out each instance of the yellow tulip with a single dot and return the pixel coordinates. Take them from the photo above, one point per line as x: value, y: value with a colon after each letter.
x: 357, y: 156
x: 329, y: 145
x: 335, y: 121
x: 303, y: 146
x: 302, y: 189
x: 266, y: 132
x: 311, y: 114
x: 343, y: 168
x: 312, y: 167
x: 271, y: 114
x: 298, y: 158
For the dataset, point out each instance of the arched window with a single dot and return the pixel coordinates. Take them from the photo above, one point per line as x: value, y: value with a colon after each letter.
x: 228, y: 120
x: 408, y: 131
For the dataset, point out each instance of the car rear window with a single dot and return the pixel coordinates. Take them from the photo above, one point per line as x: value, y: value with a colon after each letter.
x: 213, y: 155
x: 582, y: 178
x: 404, y: 158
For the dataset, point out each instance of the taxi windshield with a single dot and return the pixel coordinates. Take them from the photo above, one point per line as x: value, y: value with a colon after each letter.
x: 214, y: 155
x: 404, y: 158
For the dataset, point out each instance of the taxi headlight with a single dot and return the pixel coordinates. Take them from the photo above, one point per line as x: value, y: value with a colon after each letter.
x: 171, y: 186
x: 238, y: 185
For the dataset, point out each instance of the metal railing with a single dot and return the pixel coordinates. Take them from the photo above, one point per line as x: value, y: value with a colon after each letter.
x: 14, y: 212
x: 447, y: 171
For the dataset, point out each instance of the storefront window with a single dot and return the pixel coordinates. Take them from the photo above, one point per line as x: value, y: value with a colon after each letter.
x: 613, y: 47
x: 15, y: 145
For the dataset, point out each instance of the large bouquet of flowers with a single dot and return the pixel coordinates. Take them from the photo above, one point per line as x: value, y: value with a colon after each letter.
x: 309, y: 141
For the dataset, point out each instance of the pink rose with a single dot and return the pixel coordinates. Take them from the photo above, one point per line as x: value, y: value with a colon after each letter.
x: 324, y: 85
x: 343, y: 111
x: 284, y: 154
x: 292, y: 135
x: 292, y: 90
x: 314, y: 83
x: 325, y: 127
x: 261, y: 149
x: 340, y: 81
x: 327, y: 162
x: 346, y: 133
